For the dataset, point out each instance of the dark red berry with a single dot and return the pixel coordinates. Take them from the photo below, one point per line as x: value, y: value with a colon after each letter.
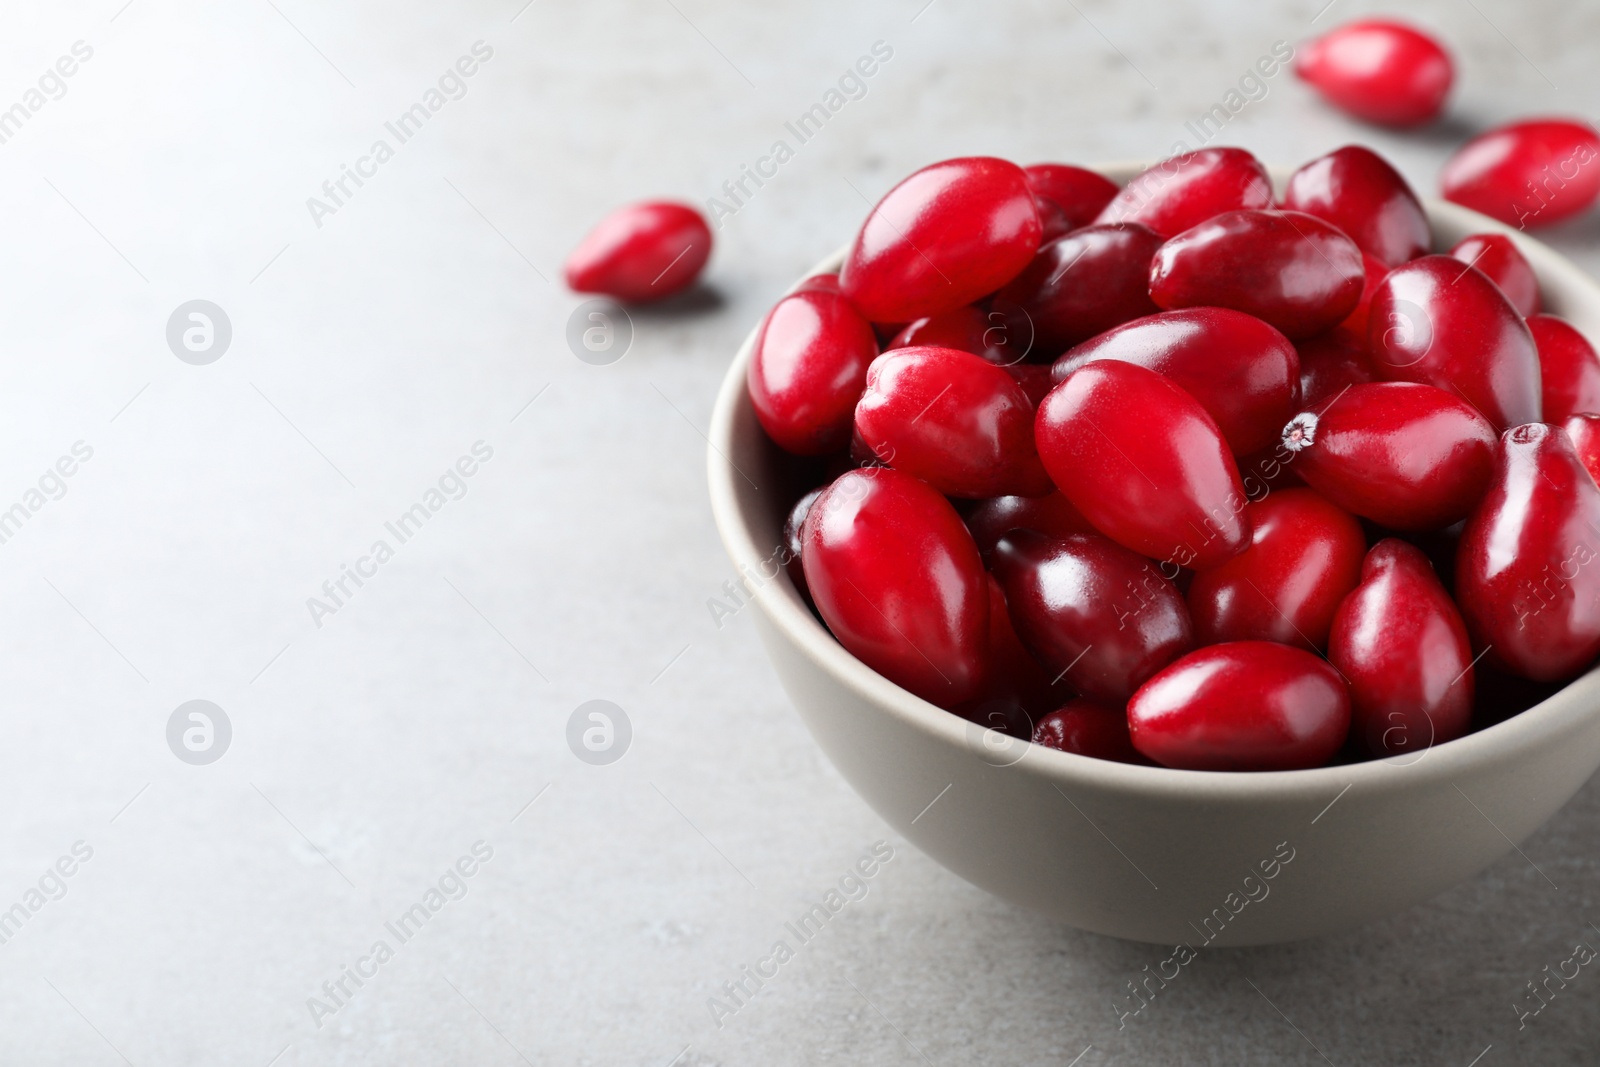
x: 1098, y: 616
x: 992, y: 519
x: 968, y: 328
x: 1287, y: 268
x: 1081, y: 285
x: 1329, y: 364
x: 1068, y: 197
x: 1088, y: 729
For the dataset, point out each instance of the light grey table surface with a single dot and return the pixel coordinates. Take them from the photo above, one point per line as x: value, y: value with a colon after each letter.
x: 373, y: 747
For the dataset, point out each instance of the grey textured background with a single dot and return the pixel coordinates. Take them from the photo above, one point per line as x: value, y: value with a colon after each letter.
x: 368, y: 354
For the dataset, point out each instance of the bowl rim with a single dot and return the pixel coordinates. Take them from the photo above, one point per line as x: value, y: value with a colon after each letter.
x: 1559, y: 715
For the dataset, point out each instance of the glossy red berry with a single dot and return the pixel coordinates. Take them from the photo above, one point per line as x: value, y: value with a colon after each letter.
x: 1329, y: 364
x: 1052, y: 515
x: 819, y: 283
x: 1080, y: 285
x: 1584, y: 432
x: 1088, y: 729
x: 641, y: 252
x: 1402, y: 648
x: 896, y: 577
x: 1406, y: 456
x: 1497, y: 256
x: 968, y: 328
x: 1068, y: 197
x: 1358, y: 191
x: 1015, y: 678
x: 1439, y: 322
x: 808, y: 369
x: 793, y: 525
x: 1187, y: 189
x: 861, y: 454
x: 1569, y: 368
x: 1241, y: 370
x: 1034, y: 378
x: 943, y: 237
x: 953, y: 419
x: 1304, y: 556
x: 1144, y: 463
x: 1267, y: 471
x: 1289, y: 269
x: 1093, y: 612
x: 1242, y: 706
x: 887, y: 331
x: 1381, y: 71
x: 1373, y: 271
x: 1527, y: 572
x: 1527, y: 174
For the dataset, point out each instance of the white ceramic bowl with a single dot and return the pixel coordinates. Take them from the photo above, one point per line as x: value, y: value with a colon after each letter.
x: 1148, y: 853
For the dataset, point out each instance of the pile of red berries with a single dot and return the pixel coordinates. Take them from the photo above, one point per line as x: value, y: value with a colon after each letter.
x: 1181, y: 473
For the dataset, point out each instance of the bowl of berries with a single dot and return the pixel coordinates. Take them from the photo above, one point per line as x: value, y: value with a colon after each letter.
x: 1191, y: 553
